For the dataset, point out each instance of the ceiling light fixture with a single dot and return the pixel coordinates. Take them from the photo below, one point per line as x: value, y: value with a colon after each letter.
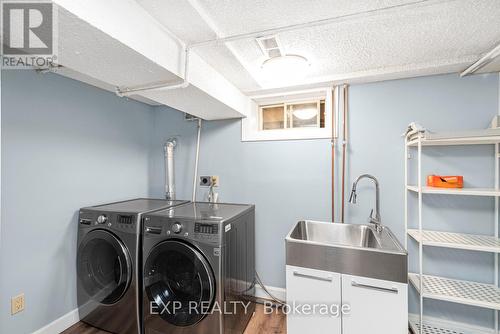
x: 289, y: 66
x: 305, y: 113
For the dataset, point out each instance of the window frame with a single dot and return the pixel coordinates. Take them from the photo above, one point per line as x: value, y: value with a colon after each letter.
x: 286, y: 114
x: 252, y: 125
x: 261, y: 116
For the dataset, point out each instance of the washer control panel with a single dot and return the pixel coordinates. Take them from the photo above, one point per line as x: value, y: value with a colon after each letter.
x: 182, y: 228
x: 126, y: 219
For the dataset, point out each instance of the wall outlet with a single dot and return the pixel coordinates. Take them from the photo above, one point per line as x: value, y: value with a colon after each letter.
x: 215, y: 181
x: 17, y: 304
x: 209, y: 181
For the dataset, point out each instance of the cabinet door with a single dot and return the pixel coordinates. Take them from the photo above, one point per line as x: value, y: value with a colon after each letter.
x: 312, y: 287
x: 377, y: 307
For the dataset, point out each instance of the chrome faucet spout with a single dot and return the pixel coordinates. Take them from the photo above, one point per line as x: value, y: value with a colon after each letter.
x: 376, y: 220
x: 354, y: 195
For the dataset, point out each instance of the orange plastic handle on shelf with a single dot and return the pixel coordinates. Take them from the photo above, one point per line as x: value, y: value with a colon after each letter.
x: 450, y: 181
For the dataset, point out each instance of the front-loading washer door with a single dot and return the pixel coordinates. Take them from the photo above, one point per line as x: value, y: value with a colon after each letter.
x: 104, y: 267
x: 179, y: 283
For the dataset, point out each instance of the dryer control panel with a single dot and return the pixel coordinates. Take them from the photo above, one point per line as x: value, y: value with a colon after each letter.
x: 109, y: 220
x: 206, y: 228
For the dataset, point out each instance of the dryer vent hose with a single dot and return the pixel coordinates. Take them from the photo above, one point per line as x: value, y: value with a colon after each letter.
x: 169, y: 169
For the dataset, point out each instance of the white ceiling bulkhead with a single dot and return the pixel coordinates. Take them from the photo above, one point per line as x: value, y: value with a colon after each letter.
x: 134, y: 43
x: 116, y: 43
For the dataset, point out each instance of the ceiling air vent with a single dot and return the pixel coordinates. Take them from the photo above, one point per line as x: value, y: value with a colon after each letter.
x: 270, y: 46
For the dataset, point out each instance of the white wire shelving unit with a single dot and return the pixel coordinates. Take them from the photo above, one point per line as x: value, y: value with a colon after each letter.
x: 443, y: 327
x: 442, y: 288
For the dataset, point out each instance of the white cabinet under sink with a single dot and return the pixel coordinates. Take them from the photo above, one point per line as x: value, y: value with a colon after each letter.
x: 312, y: 287
x: 379, y: 307
x: 374, y: 306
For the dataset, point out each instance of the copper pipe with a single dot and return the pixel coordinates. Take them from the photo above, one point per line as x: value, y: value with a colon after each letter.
x: 344, y: 145
x: 333, y: 154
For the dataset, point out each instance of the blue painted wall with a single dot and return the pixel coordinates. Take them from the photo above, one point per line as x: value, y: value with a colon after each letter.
x: 287, y: 181
x: 290, y: 180
x: 65, y: 145
x: 379, y: 113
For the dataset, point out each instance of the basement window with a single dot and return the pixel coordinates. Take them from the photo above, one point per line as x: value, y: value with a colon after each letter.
x: 298, y: 115
x: 308, y: 114
x: 272, y: 117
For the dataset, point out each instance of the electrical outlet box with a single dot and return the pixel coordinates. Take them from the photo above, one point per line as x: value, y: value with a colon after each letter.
x: 209, y: 181
x: 205, y: 181
x: 17, y: 304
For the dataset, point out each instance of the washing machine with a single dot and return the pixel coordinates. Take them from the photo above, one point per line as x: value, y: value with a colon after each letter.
x: 108, y: 258
x: 199, y: 269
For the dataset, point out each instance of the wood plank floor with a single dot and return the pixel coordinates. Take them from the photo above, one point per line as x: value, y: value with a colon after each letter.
x: 274, y: 323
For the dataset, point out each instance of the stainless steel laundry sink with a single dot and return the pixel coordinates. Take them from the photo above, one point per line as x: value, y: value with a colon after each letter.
x: 351, y: 249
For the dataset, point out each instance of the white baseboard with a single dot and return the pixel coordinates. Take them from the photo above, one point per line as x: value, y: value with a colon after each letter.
x: 69, y: 319
x: 59, y: 325
x: 279, y: 293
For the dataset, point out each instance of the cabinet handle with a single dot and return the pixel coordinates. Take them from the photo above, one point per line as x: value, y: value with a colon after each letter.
x: 359, y: 285
x: 326, y: 279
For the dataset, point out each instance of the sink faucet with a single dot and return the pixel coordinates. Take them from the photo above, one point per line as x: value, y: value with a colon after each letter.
x: 352, y: 199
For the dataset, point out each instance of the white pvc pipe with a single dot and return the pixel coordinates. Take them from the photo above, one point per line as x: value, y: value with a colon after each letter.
x: 159, y: 86
x: 195, y: 177
x: 482, y: 62
x: 321, y: 22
